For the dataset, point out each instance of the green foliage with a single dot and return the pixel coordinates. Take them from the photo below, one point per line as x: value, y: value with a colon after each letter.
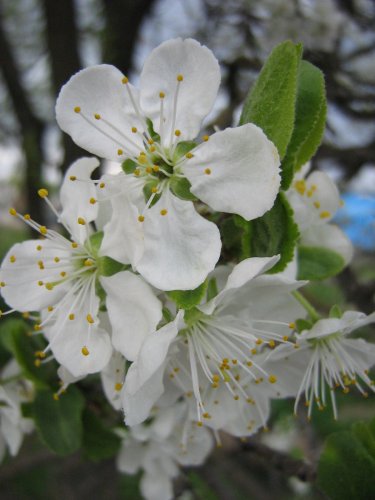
x: 128, y: 166
x: 275, y: 233
x: 59, y: 421
x: 186, y: 299
x: 183, y: 147
x: 108, y: 266
x: 271, y: 102
x: 15, y: 337
x: 317, y: 263
x: 181, y: 188
x: 311, y: 111
x: 346, y: 468
x: 99, y: 442
x: 212, y: 289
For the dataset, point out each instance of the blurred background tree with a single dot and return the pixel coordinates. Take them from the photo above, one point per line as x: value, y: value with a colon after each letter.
x: 44, y: 42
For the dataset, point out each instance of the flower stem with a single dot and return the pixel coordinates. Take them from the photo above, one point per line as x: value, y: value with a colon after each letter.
x: 315, y: 316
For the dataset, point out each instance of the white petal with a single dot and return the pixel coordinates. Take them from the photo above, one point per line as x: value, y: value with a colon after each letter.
x: 156, y: 486
x: 133, y: 310
x: 196, y: 93
x: 123, y: 233
x: 181, y: 247
x: 112, y: 375
x: 243, y: 168
x: 21, y: 278
x: 99, y: 91
x: 130, y: 456
x: 328, y: 236
x: 144, y: 380
x: 75, y: 197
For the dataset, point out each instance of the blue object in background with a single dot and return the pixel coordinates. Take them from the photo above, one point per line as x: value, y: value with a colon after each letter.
x: 357, y: 219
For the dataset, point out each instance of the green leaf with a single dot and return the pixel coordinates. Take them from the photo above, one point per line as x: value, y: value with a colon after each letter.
x: 186, y: 299
x: 311, y: 111
x: 154, y: 136
x: 180, y: 186
x: 108, y: 266
x: 318, y: 263
x: 59, y: 422
x: 182, y: 148
x: 346, y: 468
x: 16, y: 338
x: 335, y: 311
x: 271, y: 102
x: 275, y: 233
x: 128, y: 166
x: 99, y: 442
x: 303, y: 324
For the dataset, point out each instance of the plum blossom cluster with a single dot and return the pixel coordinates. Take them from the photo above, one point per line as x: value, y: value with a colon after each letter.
x: 131, y: 287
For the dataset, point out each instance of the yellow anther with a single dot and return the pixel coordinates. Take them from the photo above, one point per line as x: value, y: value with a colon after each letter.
x: 63, y: 274
x: 234, y: 361
x: 325, y: 214
x: 300, y: 187
x: 37, y: 363
x: 136, y: 172
x: 199, y: 424
x: 12, y: 258
x: 292, y: 325
x: 206, y: 415
x: 27, y: 216
x: 272, y: 379
x: 342, y: 203
x: 163, y: 211
x: 189, y: 155
x: 49, y: 286
x: 152, y: 149
x: 37, y: 327
x: 118, y: 386
x: 120, y: 152
x: 253, y: 351
x: 43, y: 193
x: 180, y: 77
x: 285, y: 338
x: 316, y: 204
x: 154, y: 189
x: 71, y: 316
x: 93, y: 201
x: 88, y: 262
x: 156, y: 168
x: 40, y: 264
x: 205, y: 138
x: 39, y: 247
x: 125, y: 80
x: 309, y: 193
x: 2, y: 284
x: 13, y: 211
x: 249, y: 363
x: 97, y: 116
x: 134, y: 130
x: 81, y: 221
x: 150, y: 141
x: 236, y: 398
x: 142, y: 159
x: 50, y: 308
x: 141, y: 218
x: 271, y: 344
x: 177, y: 133
x: 90, y: 319
x: 40, y: 283
x: 43, y: 230
x: 207, y: 171
x: 77, y: 109
x: 102, y: 185
x: 142, y: 153
x: 40, y: 354
x: 215, y: 378
x: 161, y: 95
x: 148, y: 170
x: 250, y: 401
x: 259, y: 341
x: 72, y: 178
x: 74, y: 244
x: 225, y: 361
x: 56, y: 397
x: 85, y: 351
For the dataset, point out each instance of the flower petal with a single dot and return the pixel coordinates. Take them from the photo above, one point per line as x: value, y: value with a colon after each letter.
x: 94, y: 108
x: 181, y: 247
x: 236, y: 171
x: 328, y: 236
x: 133, y: 311
x: 196, y: 92
x: 78, y: 197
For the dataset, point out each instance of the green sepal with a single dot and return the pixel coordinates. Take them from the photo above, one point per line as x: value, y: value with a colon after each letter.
x: 59, y: 422
x: 347, y: 463
x: 335, y: 312
x: 232, y: 230
x: 128, y: 166
x: 318, y: 263
x: 310, y: 118
x: 180, y: 186
x: 212, y: 289
x: 270, y: 104
x: 275, y: 233
x: 192, y: 315
x: 186, y: 299
x: 182, y: 148
x: 167, y: 315
x: 147, y: 191
x: 303, y: 324
x: 15, y: 337
x: 108, y: 266
x: 99, y: 442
